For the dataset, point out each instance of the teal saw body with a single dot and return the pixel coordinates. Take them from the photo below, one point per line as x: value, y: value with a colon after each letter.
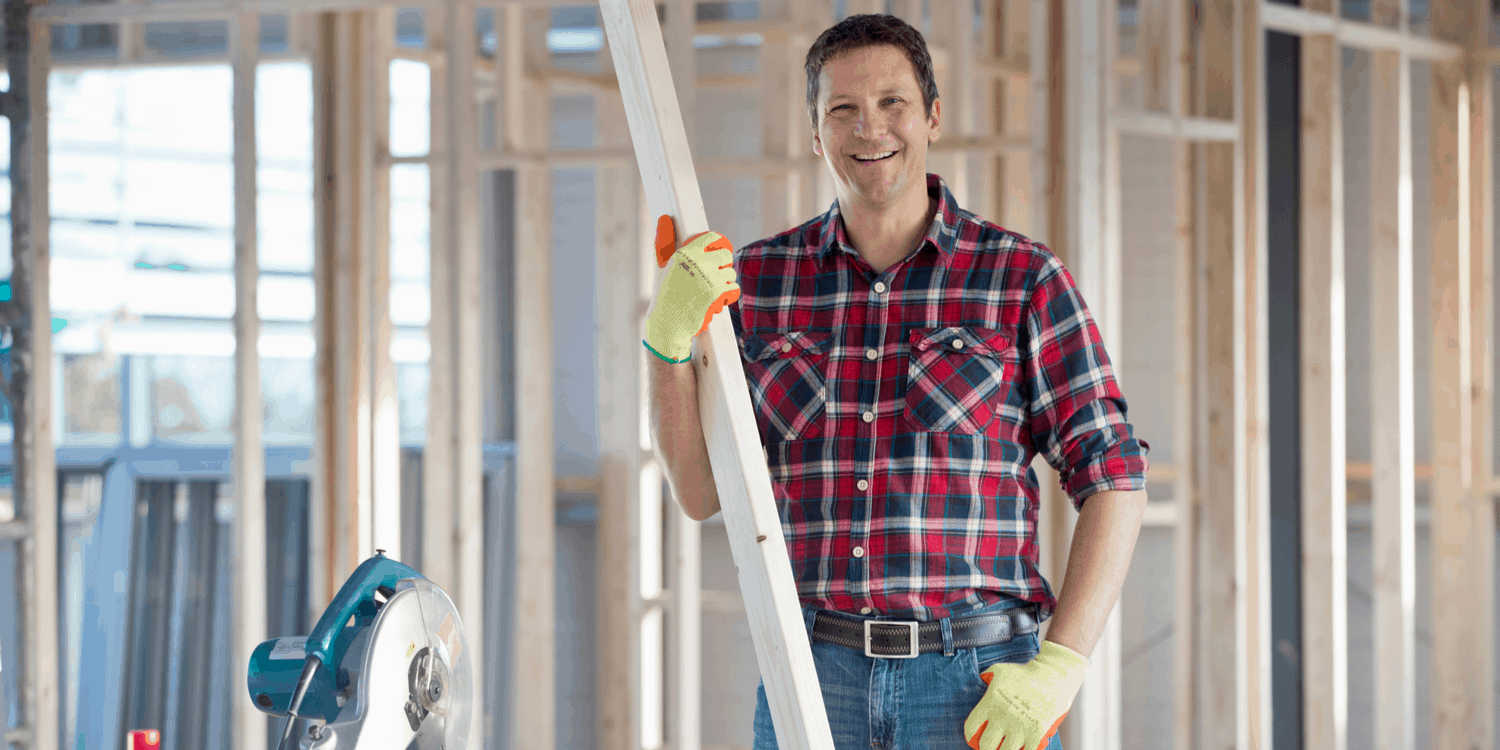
x: 386, y: 664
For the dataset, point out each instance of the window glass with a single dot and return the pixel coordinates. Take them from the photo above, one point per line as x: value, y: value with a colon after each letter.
x: 284, y: 185
x: 411, y: 108
x: 142, y: 244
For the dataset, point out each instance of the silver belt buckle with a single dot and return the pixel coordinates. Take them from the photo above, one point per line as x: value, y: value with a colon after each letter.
x: 870, y: 640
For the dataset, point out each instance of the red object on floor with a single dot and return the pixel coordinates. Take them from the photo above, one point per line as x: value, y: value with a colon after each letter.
x: 143, y: 739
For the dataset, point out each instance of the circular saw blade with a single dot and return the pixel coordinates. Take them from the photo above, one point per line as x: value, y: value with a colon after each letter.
x: 417, y: 683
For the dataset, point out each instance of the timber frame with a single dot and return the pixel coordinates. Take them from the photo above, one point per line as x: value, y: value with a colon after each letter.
x: 1040, y: 119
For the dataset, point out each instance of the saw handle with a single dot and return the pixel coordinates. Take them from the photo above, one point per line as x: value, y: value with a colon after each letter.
x: 355, y: 599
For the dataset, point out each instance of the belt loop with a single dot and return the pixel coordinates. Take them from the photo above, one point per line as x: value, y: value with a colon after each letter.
x: 946, y: 625
x: 810, y: 616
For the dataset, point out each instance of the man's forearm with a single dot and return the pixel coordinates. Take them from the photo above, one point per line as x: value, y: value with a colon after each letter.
x: 1103, y: 543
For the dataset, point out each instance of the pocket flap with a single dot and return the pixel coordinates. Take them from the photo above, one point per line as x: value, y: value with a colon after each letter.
x: 771, y: 344
x: 957, y: 339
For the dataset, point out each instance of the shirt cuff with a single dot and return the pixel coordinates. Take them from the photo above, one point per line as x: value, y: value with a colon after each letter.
x: 1122, y: 467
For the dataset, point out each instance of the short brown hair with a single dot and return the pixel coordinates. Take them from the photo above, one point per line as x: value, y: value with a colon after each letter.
x: 868, y: 30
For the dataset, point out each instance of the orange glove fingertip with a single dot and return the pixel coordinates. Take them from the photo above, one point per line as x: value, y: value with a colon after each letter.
x: 974, y: 741
x: 666, y: 240
x: 1048, y: 736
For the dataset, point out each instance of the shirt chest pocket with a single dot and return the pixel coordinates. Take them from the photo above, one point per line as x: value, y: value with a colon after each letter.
x: 788, y: 388
x: 957, y: 379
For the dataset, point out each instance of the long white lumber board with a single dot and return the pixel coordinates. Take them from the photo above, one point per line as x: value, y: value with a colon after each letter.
x: 734, y: 448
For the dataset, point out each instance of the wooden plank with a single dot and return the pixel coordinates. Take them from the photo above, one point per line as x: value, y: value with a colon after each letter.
x: 1392, y: 407
x: 249, y: 477
x: 1324, y: 651
x: 533, y: 657
x: 1252, y: 409
x: 740, y: 472
x: 684, y: 539
x: 1480, y: 556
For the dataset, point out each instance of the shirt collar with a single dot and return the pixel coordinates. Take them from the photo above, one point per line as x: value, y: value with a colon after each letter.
x: 941, y: 233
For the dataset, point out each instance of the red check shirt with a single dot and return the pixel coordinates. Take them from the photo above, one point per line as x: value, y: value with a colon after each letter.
x: 900, y: 411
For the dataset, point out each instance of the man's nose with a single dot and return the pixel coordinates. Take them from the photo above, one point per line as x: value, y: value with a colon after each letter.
x: 868, y: 125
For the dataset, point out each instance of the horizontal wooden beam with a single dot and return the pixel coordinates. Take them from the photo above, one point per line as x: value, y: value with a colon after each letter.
x: 1203, y: 129
x: 1292, y: 19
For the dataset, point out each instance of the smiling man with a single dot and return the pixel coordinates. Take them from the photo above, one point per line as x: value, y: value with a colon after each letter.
x: 906, y: 361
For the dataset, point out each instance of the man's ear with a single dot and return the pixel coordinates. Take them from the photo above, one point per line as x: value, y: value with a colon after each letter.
x: 817, y: 145
x: 936, y: 121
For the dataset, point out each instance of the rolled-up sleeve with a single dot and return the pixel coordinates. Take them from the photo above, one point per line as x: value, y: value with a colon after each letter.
x: 1078, y: 414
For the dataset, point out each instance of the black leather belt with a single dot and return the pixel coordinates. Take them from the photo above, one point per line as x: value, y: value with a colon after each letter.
x: 898, y: 639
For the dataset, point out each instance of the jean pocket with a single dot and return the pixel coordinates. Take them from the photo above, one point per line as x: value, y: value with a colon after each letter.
x: 788, y: 389
x: 1017, y: 650
x: 957, y: 378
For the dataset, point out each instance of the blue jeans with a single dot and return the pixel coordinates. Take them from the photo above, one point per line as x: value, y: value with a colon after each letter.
x: 900, y: 704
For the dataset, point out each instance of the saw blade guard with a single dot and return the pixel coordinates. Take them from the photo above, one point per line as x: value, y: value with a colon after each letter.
x: 439, y: 678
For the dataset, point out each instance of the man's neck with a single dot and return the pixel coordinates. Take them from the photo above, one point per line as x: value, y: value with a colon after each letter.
x: 884, y: 236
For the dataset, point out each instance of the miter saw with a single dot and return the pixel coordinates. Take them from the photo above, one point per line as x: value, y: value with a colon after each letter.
x: 385, y: 667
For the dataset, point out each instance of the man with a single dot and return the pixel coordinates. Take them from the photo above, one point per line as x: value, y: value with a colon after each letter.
x: 906, y: 361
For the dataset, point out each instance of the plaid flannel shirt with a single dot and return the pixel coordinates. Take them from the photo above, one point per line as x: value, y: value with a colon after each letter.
x: 900, y: 411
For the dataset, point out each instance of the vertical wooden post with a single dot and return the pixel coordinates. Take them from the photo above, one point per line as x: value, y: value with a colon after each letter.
x: 1091, y: 249
x: 1253, y: 408
x: 618, y: 256
x: 249, y: 597
x: 785, y: 133
x: 343, y: 146
x: 528, y: 105
x: 1219, y: 564
x: 1461, y: 532
x: 384, y: 475
x: 1185, y: 486
x: 1324, y: 653
x: 455, y: 126
x: 31, y: 380
x: 1392, y: 408
x: 739, y: 467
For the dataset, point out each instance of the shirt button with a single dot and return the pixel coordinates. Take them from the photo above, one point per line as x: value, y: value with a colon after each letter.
x: 859, y: 551
x: 786, y: 347
x: 869, y: 417
x: 863, y: 485
x: 871, y: 354
x: 958, y: 343
x: 864, y: 610
x: 880, y: 287
x: 791, y: 436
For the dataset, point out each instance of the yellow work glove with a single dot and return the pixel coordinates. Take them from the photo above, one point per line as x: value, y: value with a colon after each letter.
x: 699, y: 284
x: 1025, y: 703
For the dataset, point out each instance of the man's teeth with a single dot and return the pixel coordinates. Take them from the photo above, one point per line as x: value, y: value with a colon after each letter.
x: 875, y: 157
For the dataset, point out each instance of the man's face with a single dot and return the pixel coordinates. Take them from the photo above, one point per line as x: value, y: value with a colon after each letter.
x: 869, y: 104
